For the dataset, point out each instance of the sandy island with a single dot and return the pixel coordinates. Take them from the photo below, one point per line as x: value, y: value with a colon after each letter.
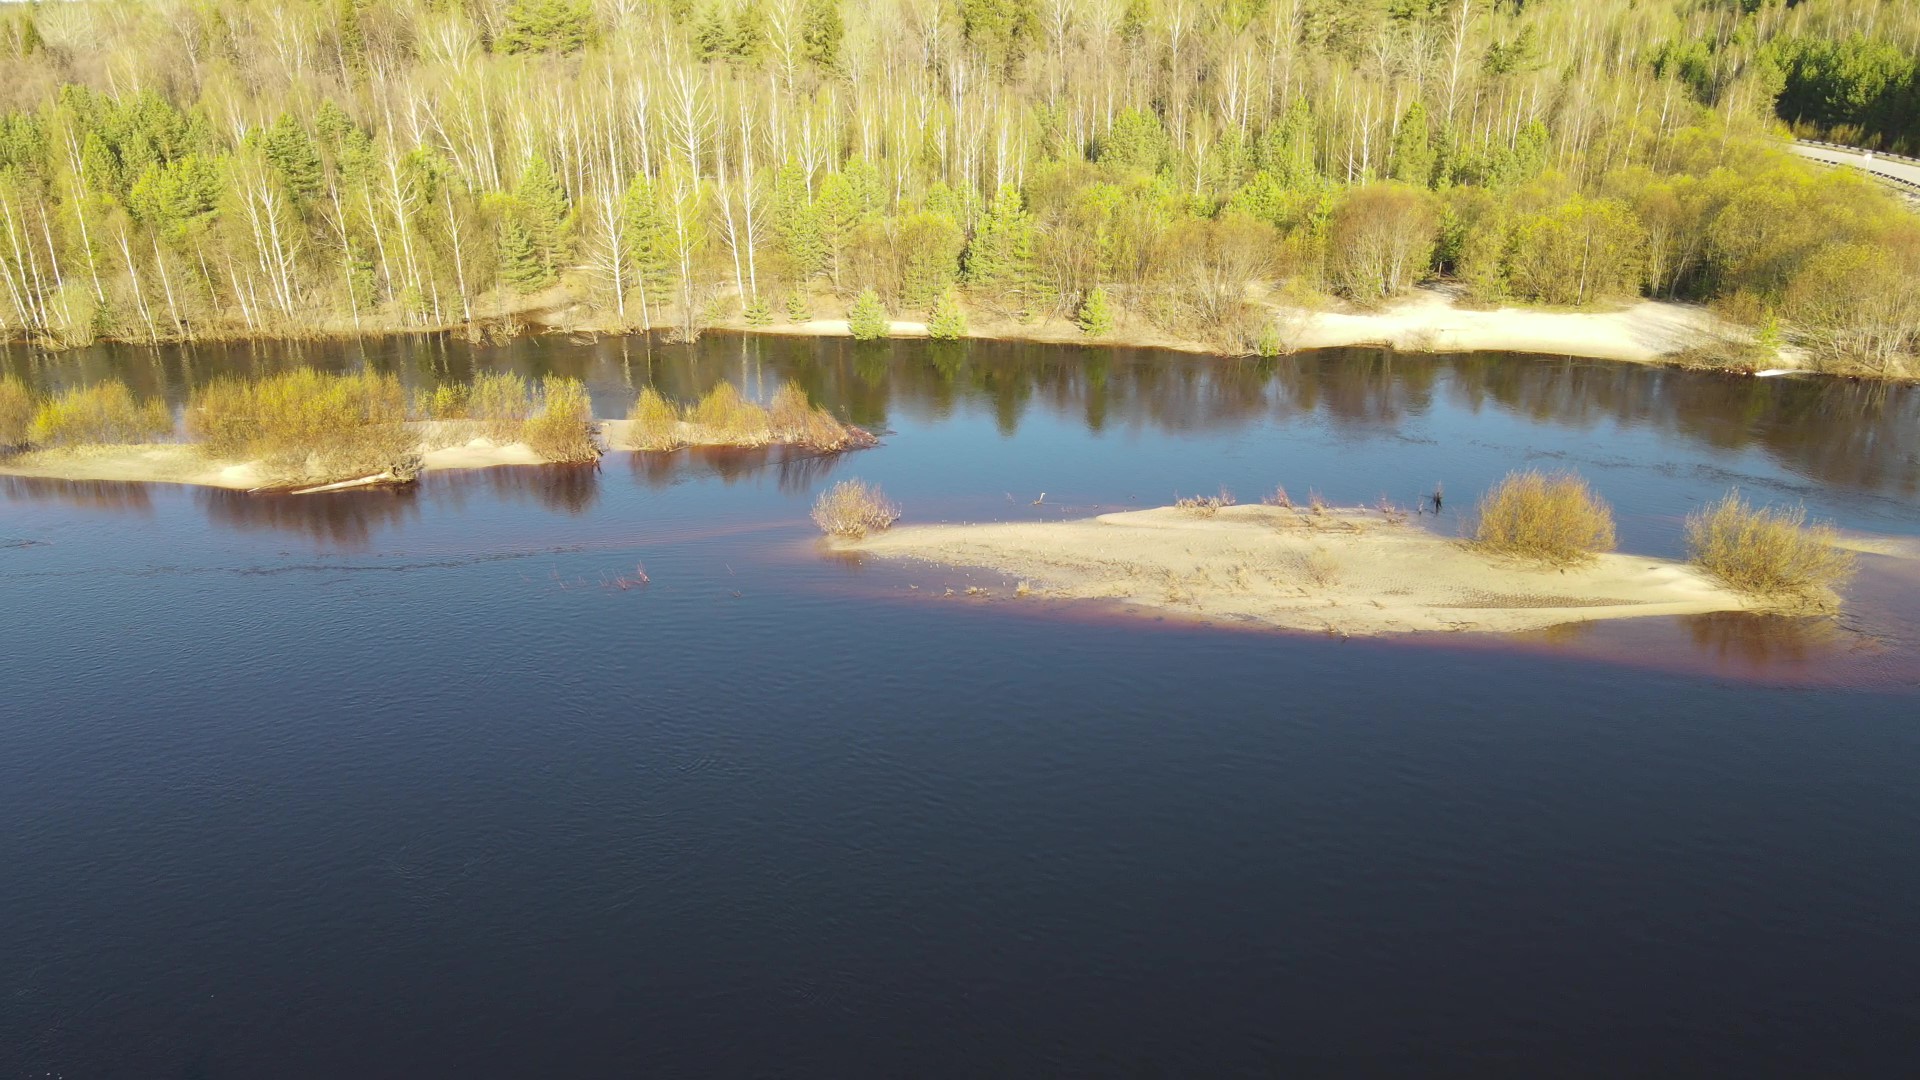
x: 185, y: 463
x: 1339, y: 571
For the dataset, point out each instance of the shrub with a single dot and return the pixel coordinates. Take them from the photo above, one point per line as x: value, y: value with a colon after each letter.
x: 851, y: 509
x: 868, y: 319
x: 306, y: 425
x: 102, y: 414
x: 1554, y: 518
x: 948, y: 323
x: 447, y: 401
x: 500, y: 402
x: 1770, y: 552
x: 1204, y: 505
x: 16, y: 413
x: 1096, y: 314
x: 724, y: 418
x: 653, y: 423
x: 563, y: 428
x: 798, y: 422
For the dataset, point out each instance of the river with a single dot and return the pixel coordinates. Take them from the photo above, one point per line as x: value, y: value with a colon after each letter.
x: 427, y: 782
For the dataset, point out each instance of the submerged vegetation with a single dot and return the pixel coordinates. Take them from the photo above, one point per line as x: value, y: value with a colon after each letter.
x: 1768, y: 552
x: 1548, y: 517
x: 852, y: 509
x: 724, y: 418
x: 235, y: 169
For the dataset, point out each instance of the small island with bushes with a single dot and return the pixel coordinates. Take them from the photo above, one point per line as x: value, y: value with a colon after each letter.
x: 307, y: 431
x: 1541, y: 554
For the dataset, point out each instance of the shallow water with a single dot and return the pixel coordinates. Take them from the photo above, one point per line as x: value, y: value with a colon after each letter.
x: 422, y: 783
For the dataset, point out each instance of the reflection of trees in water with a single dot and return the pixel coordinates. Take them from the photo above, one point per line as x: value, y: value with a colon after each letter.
x: 92, y: 494
x: 795, y: 471
x: 1763, y: 642
x: 1860, y: 435
x: 567, y: 489
x: 345, y: 519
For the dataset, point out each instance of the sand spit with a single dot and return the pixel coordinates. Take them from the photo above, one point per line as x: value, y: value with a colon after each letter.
x: 1340, y: 571
x: 183, y: 463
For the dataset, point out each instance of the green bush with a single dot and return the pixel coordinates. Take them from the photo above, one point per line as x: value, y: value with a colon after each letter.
x: 500, y: 403
x: 563, y: 428
x: 1096, y: 314
x: 949, y: 322
x: 868, y: 319
x: 1553, y: 518
x: 307, y: 426
x: 1771, y: 552
x: 103, y: 414
x: 16, y: 413
x: 653, y: 423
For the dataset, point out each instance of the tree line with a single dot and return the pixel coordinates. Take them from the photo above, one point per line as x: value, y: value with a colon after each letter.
x: 214, y: 168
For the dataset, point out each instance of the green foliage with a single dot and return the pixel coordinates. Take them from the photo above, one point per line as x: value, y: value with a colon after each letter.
x: 548, y: 26
x: 758, y: 312
x: 653, y: 423
x: 16, y: 413
x: 290, y: 150
x: 103, y: 414
x: 1413, y: 157
x: 1575, y: 253
x: 499, y: 402
x: 1868, y: 85
x: 306, y: 426
x: 949, y: 322
x: 1095, y: 318
x: 928, y: 247
x: 1135, y: 144
x: 1000, y: 258
x: 520, y: 262
x: 545, y: 213
x: 1768, y: 553
x: 798, y: 310
x: 821, y: 31
x: 868, y: 318
x: 562, y: 430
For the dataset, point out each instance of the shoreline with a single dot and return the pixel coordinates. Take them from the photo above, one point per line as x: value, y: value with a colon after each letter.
x: 1426, y: 321
x: 1343, y: 572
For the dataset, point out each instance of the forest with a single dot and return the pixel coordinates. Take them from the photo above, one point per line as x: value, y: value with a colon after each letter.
x: 202, y: 169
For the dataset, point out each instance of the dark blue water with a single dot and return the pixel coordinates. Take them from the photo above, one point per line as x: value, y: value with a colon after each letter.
x: 407, y: 783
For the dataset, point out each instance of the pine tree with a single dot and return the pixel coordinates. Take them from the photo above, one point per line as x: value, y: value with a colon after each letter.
x: 545, y: 213
x: 821, y: 31
x: 798, y: 310
x: 1412, y: 160
x: 520, y: 263
x: 949, y: 322
x: 1096, y: 314
x: 868, y: 319
x: 291, y: 152
x: 758, y: 312
x: 1000, y: 258
x: 556, y: 26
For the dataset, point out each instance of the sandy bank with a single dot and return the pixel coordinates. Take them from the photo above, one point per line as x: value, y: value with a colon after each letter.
x: 1348, y: 571
x: 183, y: 463
x: 1427, y: 320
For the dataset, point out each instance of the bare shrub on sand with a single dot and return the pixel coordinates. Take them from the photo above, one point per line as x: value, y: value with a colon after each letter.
x: 16, y: 413
x: 724, y: 418
x: 797, y: 421
x: 1553, y: 518
x: 653, y: 423
x: 562, y: 430
x: 1768, y: 552
x: 1204, y: 505
x: 102, y: 414
x: 851, y: 509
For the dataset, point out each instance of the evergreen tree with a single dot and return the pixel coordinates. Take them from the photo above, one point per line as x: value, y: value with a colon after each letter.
x: 648, y: 235
x: 545, y: 213
x: 1412, y: 157
x: 1000, y: 258
x: 1096, y: 314
x: 868, y: 319
x: 520, y: 262
x: 290, y: 150
x: 798, y: 310
x: 821, y: 32
x: 552, y: 26
x: 949, y: 322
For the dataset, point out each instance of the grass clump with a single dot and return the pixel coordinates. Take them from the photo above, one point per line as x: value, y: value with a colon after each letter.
x: 103, y: 414
x: 1550, y: 517
x: 852, y: 509
x: 563, y: 428
x: 1204, y: 505
x: 16, y: 413
x: 653, y: 423
x: 724, y: 418
x: 1768, y: 552
x: 308, y: 426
